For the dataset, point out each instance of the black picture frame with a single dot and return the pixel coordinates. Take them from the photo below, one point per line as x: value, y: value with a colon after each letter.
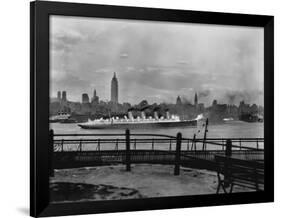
x: 39, y: 106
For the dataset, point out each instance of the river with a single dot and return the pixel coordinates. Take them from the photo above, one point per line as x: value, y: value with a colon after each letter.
x: 234, y: 129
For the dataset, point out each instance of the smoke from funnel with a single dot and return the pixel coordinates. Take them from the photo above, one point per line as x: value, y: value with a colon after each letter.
x: 156, y: 109
x: 144, y: 108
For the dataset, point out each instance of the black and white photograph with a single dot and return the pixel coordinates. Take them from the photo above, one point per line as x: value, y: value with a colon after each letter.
x: 147, y: 109
x: 140, y: 108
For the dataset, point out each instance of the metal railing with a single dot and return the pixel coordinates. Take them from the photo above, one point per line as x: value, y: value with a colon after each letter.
x: 141, y: 148
x: 79, y: 142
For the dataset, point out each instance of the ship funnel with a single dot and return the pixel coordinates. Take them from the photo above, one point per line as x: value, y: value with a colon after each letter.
x: 156, y: 115
x: 168, y: 116
x: 130, y: 115
x: 143, y: 115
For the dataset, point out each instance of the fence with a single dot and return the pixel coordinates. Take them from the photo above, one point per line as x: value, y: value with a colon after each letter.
x: 76, y: 150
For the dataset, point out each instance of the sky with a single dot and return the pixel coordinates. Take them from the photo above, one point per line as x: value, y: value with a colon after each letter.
x: 156, y: 61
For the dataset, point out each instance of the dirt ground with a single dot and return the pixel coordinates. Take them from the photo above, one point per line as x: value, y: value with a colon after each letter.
x: 143, y: 181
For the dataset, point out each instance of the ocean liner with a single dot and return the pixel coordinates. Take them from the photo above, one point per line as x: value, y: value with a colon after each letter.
x: 140, y: 122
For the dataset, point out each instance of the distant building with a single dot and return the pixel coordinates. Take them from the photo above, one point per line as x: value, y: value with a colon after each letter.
x: 59, y: 96
x: 64, y: 96
x: 254, y: 109
x: 178, y: 102
x: 215, y: 102
x: 200, y: 107
x: 85, y: 98
x: 114, y: 89
x: 244, y: 108
x: 95, y: 99
x: 195, y: 100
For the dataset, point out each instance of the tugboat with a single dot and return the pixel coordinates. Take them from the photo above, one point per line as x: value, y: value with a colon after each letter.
x: 251, y: 118
x: 139, y: 122
x: 69, y: 120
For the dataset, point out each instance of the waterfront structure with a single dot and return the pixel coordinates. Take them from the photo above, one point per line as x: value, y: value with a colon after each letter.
x: 85, y: 98
x: 114, y: 89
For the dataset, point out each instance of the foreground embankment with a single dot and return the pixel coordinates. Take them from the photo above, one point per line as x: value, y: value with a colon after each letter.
x: 144, y: 181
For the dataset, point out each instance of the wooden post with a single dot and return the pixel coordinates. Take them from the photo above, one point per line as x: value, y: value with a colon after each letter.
x: 228, y: 153
x: 80, y: 145
x: 194, y: 137
x: 193, y: 145
x: 128, y: 158
x: 98, y: 147
x: 178, y: 155
x: 240, y: 144
x: 205, y: 135
x: 170, y: 147
x: 62, y: 145
x: 51, y: 153
x: 116, y: 147
x: 228, y: 149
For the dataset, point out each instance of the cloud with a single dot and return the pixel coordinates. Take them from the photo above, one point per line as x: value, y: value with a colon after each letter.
x: 249, y: 96
x: 156, y: 60
x: 204, y: 93
x: 64, y: 41
x: 72, y: 84
x: 124, y: 55
x: 182, y: 62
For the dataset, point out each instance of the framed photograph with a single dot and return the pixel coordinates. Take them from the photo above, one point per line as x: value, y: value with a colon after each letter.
x: 142, y: 109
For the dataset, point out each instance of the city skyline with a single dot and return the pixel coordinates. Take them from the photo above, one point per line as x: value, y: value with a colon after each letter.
x: 156, y: 61
x: 86, y: 98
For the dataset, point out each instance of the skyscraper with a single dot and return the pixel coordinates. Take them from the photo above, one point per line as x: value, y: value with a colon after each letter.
x: 195, y: 100
x: 178, y: 102
x: 59, y: 96
x: 95, y: 99
x: 64, y: 99
x: 85, y: 98
x: 114, y: 89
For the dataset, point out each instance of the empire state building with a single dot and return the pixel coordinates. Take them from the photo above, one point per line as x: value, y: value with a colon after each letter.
x: 114, y: 89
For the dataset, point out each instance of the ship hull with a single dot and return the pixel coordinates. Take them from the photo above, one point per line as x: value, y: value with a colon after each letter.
x: 140, y: 125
